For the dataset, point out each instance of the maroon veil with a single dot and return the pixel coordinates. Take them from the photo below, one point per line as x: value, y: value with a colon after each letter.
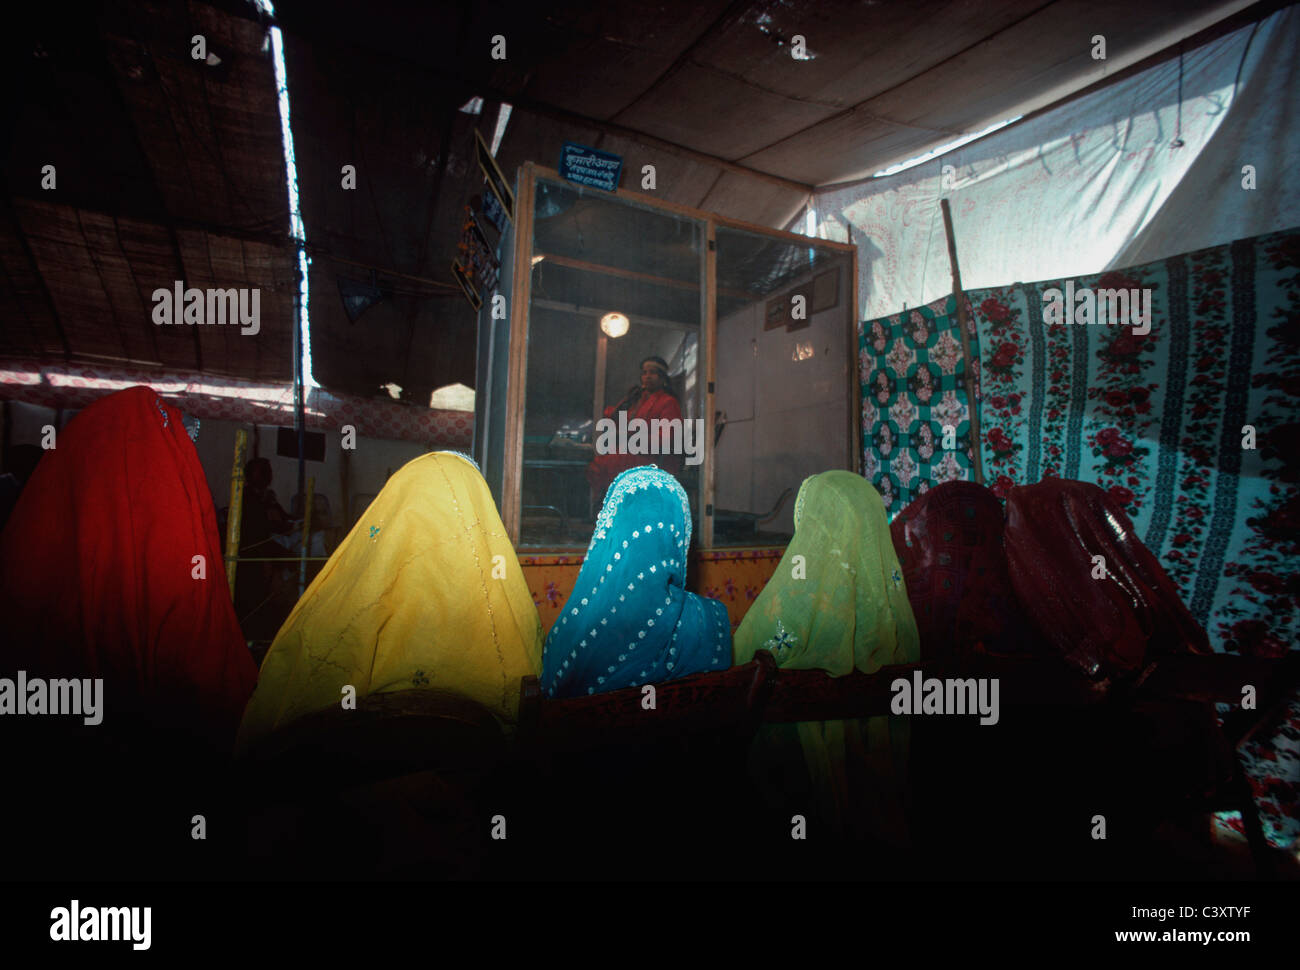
x: 1106, y: 625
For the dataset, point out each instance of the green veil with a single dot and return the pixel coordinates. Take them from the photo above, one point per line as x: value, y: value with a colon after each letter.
x: 836, y: 603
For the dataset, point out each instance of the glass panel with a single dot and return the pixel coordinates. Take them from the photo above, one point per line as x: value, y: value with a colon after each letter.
x: 782, y: 394
x: 493, y: 370
x: 593, y: 255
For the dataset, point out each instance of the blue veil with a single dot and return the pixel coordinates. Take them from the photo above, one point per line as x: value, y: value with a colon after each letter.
x: 630, y: 620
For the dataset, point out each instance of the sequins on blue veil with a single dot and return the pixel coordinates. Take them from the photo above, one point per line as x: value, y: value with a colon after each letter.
x: 630, y: 620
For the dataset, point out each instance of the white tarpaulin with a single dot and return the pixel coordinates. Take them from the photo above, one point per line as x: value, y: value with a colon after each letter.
x: 1096, y: 183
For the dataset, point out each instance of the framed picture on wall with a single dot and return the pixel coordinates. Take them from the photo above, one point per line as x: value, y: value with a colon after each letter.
x: 797, y: 324
x: 778, y: 312
x: 826, y: 290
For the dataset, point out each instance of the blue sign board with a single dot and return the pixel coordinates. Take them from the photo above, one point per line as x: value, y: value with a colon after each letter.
x: 589, y: 166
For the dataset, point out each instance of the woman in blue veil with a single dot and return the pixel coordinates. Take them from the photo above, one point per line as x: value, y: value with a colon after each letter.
x: 630, y: 621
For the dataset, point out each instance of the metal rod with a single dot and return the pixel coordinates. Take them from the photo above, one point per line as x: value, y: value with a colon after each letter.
x: 306, y: 535
x: 299, y: 418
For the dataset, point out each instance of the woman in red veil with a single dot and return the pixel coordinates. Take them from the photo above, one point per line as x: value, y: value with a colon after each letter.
x: 111, y: 567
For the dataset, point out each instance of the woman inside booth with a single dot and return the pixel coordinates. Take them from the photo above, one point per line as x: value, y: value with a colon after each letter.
x: 653, y: 397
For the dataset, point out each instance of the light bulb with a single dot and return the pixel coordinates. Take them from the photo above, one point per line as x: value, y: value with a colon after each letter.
x: 614, y: 324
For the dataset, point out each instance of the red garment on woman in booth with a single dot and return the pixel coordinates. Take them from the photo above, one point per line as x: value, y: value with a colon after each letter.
x: 654, y: 405
x: 99, y: 577
x: 1102, y: 626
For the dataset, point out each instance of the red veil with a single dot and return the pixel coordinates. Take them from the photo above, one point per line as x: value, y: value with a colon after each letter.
x: 1102, y: 626
x: 97, y: 574
x: 949, y: 543
x: 605, y: 468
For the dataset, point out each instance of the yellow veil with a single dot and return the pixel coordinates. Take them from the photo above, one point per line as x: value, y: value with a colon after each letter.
x: 425, y: 591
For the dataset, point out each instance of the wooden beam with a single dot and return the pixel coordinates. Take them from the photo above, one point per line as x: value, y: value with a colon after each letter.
x: 520, y: 293
x: 598, y: 312
x: 690, y: 212
x: 796, y: 238
x: 598, y: 394
x: 626, y: 274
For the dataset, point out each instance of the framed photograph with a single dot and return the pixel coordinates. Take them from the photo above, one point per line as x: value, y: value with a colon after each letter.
x: 825, y: 290
x: 778, y: 312
x: 794, y: 324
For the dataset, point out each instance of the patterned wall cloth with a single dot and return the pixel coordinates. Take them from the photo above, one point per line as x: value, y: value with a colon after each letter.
x: 912, y: 368
x: 1156, y: 419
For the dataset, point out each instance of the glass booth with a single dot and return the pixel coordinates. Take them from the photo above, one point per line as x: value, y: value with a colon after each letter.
x: 754, y: 328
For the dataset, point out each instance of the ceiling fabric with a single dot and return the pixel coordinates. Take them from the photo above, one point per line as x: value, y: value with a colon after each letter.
x: 1094, y: 183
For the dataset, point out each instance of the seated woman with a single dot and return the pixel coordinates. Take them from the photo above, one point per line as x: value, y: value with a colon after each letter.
x: 630, y: 621
x: 1101, y: 616
x: 653, y: 398
x: 837, y: 602
x: 425, y: 591
x: 111, y: 568
x: 949, y: 543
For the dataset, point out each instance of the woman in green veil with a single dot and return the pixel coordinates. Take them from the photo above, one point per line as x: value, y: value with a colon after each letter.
x: 836, y: 603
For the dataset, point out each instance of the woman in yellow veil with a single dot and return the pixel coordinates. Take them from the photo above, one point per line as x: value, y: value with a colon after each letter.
x: 836, y: 603
x: 425, y: 592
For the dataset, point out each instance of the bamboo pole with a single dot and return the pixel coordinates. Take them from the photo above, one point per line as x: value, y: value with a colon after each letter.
x: 977, y: 462
x: 235, y: 513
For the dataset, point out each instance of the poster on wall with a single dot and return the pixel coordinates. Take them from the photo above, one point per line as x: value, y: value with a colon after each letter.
x: 475, y: 256
x: 496, y: 179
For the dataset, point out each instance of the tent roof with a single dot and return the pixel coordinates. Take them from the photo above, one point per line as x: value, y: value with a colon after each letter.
x: 170, y: 168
